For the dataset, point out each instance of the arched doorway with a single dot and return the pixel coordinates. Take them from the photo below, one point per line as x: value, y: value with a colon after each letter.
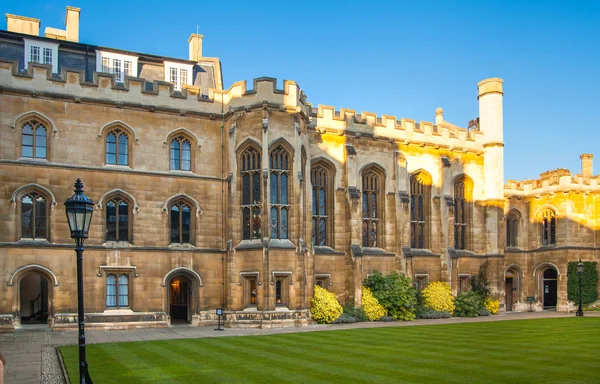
x: 33, y: 299
x: 550, y: 285
x: 180, y: 294
x: 512, y: 286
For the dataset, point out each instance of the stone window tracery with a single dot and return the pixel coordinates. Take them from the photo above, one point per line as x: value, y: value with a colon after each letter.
x: 118, y: 219
x: 33, y: 140
x: 180, y: 214
x: 181, y: 154
x: 463, y: 197
x: 420, y: 192
x: 117, y: 147
x: 512, y: 228
x: 372, y: 184
x: 548, y: 217
x: 321, y: 178
x: 279, y: 171
x: 250, y: 163
x: 34, y: 216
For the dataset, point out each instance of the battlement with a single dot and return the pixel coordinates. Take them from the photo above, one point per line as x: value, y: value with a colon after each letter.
x: 39, y: 81
x: 442, y: 134
x: 557, y: 180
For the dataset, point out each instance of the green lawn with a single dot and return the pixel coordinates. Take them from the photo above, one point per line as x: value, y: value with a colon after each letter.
x: 565, y: 350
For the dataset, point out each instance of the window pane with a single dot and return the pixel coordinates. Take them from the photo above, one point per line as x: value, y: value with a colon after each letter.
x: 373, y: 234
x: 284, y: 189
x: 123, y: 291
x: 284, y: 224
x: 314, y: 202
x: 40, y: 218
x: 27, y: 217
x: 111, y: 221
x: 123, y: 150
x: 246, y: 223
x: 278, y: 291
x: 186, y: 163
x: 256, y: 197
x: 256, y: 230
x: 245, y: 189
x: 322, y: 203
x: 48, y: 56
x: 174, y: 155
x: 365, y: 233
x: 111, y: 149
x: 174, y: 224
x: 123, y: 221
x: 35, y: 54
x: 186, y: 224
x: 273, y: 188
x: 365, y: 205
x: 274, y: 218
x: 322, y: 232
x: 27, y: 151
x: 40, y: 152
x: 314, y: 231
x: 111, y: 291
x: 373, y: 205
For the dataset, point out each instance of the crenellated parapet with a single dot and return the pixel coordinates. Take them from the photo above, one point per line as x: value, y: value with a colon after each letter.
x: 346, y: 122
x: 554, y: 181
x: 70, y: 85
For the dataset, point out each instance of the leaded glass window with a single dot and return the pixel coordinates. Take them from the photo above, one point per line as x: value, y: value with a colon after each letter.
x: 462, y: 212
x: 548, y: 227
x: 420, y: 189
x: 34, y: 216
x: 117, y: 147
x: 320, y: 184
x: 370, y: 208
x: 251, y: 194
x: 117, y: 220
x: 181, y: 154
x: 181, y: 223
x: 33, y: 140
x: 279, y: 202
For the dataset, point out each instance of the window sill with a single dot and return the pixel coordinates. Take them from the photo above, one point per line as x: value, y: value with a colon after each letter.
x: 282, y: 244
x: 250, y: 308
x: 376, y: 252
x: 118, y: 311
x: 178, y: 172
x: 26, y: 240
x: 181, y: 246
x: 249, y: 244
x: 32, y: 160
x: 117, y: 244
x: 326, y: 251
x: 116, y: 166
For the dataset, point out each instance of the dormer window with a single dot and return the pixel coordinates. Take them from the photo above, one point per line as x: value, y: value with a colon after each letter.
x: 116, y: 64
x: 41, y: 53
x: 178, y: 74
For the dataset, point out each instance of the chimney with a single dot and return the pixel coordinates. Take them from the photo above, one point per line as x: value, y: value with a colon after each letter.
x: 439, y: 116
x: 22, y: 24
x: 195, y: 43
x: 587, y: 164
x: 72, y: 23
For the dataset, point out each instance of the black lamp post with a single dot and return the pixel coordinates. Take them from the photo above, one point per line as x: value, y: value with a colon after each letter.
x: 79, y: 210
x: 580, y: 274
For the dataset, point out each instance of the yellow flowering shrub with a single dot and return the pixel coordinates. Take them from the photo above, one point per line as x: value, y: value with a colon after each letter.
x: 492, y: 305
x: 438, y: 296
x: 325, y: 307
x: 373, y: 310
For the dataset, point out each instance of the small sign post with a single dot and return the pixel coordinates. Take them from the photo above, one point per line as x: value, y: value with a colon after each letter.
x: 219, y: 313
x: 530, y: 300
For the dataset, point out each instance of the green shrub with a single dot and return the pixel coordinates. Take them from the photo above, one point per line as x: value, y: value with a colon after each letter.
x: 468, y: 304
x: 589, y: 282
x: 428, y: 313
x: 438, y: 296
x: 370, y: 306
x: 345, y: 319
x: 357, y: 312
x: 387, y: 318
x: 484, y: 312
x: 325, y: 307
x: 480, y: 284
x: 395, y: 293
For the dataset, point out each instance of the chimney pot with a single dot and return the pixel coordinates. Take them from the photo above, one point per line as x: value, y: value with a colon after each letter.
x: 72, y: 23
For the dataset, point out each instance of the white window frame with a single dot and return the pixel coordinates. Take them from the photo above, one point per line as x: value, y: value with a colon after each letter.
x: 41, y: 45
x: 105, y: 63
x: 179, y: 66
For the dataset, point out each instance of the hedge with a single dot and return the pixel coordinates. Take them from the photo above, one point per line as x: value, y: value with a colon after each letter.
x: 589, y: 282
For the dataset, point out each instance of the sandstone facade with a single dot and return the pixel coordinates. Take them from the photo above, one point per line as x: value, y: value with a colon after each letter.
x: 281, y: 195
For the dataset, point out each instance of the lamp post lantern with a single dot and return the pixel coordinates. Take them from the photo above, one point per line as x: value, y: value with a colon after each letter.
x: 580, y: 274
x: 79, y: 209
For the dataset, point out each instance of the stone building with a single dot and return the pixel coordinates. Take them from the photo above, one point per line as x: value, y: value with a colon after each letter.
x: 246, y: 198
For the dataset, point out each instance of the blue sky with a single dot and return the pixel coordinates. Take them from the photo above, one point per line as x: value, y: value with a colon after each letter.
x: 399, y: 58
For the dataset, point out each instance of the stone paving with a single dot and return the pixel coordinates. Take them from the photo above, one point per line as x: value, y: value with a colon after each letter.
x: 22, y: 349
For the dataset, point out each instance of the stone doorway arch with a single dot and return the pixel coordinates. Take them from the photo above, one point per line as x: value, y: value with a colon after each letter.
x: 33, y: 294
x: 513, y: 282
x: 182, y: 294
x: 547, y: 276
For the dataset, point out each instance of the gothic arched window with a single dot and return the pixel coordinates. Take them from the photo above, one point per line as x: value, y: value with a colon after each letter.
x: 279, y: 171
x: 372, y: 185
x: 180, y: 214
x: 512, y: 228
x: 181, y: 154
x: 118, y: 219
x: 548, y: 217
x: 117, y: 147
x: 463, y: 197
x: 251, y: 193
x: 33, y: 140
x: 420, y: 192
x: 321, y: 176
x: 34, y: 216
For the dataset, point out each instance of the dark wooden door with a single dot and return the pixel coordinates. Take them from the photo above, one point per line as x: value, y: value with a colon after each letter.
x: 509, y: 291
